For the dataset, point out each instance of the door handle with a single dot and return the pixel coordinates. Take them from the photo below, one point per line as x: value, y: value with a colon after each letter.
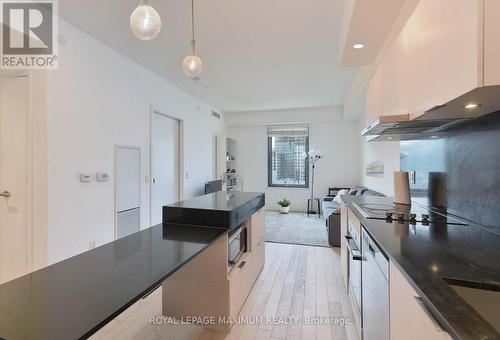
x: 353, y: 252
x: 5, y: 194
x: 242, y: 264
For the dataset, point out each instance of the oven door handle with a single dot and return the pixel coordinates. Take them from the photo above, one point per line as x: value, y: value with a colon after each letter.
x: 356, y: 255
x: 353, y: 250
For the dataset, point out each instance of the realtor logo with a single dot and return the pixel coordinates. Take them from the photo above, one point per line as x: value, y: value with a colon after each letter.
x: 29, y: 34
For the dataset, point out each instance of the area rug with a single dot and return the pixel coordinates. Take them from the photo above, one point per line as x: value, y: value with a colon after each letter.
x: 296, y: 228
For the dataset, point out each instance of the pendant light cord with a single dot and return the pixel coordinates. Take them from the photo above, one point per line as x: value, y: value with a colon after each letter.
x: 193, y: 42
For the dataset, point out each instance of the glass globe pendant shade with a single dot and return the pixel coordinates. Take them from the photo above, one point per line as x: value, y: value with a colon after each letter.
x: 145, y: 21
x: 192, y: 66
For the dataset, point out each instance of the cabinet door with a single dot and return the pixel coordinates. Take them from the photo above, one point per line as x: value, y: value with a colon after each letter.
x: 257, y: 226
x: 394, y: 79
x: 343, y: 250
x: 409, y: 318
x: 259, y: 256
x: 442, y: 38
x: 491, y: 42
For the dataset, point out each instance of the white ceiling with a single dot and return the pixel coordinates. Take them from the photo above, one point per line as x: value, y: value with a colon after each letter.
x: 257, y: 54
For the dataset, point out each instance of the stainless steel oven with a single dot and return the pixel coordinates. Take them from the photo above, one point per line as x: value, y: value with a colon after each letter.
x: 353, y: 242
x: 237, y: 244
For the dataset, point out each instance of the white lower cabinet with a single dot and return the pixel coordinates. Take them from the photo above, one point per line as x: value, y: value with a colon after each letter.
x: 409, y: 317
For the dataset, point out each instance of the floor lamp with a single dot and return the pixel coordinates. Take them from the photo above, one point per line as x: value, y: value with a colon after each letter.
x: 312, y: 157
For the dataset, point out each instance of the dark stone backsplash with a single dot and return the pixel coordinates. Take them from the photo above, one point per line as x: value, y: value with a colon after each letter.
x: 464, y: 167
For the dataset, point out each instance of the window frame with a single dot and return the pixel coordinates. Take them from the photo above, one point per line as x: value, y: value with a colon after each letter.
x: 269, y: 168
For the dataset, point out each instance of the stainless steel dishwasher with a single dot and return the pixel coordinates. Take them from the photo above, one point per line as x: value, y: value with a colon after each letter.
x: 375, y: 290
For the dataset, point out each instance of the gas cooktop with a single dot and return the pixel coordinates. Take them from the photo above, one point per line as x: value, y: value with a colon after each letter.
x: 411, y: 213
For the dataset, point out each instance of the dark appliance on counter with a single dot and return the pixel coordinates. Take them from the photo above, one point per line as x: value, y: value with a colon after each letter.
x: 213, y: 186
x: 237, y: 244
x: 375, y: 290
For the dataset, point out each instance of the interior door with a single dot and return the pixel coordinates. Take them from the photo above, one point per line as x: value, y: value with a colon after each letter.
x: 15, y: 177
x: 164, y: 164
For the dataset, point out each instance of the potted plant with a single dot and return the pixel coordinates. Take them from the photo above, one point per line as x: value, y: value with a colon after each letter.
x: 284, y: 205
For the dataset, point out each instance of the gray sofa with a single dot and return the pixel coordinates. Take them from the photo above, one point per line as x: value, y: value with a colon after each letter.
x: 331, y: 213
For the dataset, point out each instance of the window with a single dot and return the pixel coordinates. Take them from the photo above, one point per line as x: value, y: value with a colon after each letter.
x: 286, y: 161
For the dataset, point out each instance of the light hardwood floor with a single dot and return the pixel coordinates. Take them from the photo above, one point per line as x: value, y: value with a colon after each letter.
x: 297, y: 282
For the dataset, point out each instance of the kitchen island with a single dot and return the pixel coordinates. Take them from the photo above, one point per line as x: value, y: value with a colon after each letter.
x: 76, y: 297
x: 214, y: 286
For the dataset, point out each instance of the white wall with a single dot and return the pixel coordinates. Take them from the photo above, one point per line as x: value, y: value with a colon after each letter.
x: 336, y: 139
x: 385, y: 152
x: 96, y: 99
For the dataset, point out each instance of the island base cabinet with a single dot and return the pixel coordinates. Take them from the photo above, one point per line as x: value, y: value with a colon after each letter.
x: 207, y: 290
x: 199, y: 290
x: 240, y: 283
x: 409, y: 317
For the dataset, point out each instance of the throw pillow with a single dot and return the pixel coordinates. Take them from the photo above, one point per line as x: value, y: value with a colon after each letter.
x: 341, y: 192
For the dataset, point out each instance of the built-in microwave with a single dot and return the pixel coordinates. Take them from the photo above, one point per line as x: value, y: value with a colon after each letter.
x: 237, y: 244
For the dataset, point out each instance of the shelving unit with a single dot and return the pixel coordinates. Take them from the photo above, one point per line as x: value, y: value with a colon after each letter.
x: 227, y: 158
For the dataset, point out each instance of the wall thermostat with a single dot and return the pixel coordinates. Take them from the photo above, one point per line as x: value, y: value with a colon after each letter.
x: 85, y: 178
x: 102, y: 177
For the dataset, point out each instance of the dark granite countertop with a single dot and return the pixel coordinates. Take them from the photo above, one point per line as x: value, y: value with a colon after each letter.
x: 220, y: 209
x: 220, y: 200
x: 427, y: 254
x: 76, y: 297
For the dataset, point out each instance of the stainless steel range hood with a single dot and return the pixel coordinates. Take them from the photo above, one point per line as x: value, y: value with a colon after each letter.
x: 432, y: 123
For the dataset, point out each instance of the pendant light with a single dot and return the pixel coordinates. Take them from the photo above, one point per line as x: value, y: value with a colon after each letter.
x: 145, y: 21
x: 192, y: 64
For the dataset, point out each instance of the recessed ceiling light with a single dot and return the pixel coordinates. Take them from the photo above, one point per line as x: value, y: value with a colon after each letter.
x: 471, y: 106
x: 389, y: 138
x: 434, y: 137
x: 358, y: 46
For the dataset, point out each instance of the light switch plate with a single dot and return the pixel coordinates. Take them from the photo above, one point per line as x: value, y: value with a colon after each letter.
x: 84, y: 178
x: 102, y: 177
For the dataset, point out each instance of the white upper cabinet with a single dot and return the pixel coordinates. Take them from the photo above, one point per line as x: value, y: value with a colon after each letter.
x: 394, y: 79
x: 374, y: 97
x: 446, y: 49
x: 491, y: 42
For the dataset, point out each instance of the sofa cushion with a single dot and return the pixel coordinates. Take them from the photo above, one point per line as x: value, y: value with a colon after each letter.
x: 369, y: 192
x: 330, y: 205
x: 328, y: 211
x: 329, y: 208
